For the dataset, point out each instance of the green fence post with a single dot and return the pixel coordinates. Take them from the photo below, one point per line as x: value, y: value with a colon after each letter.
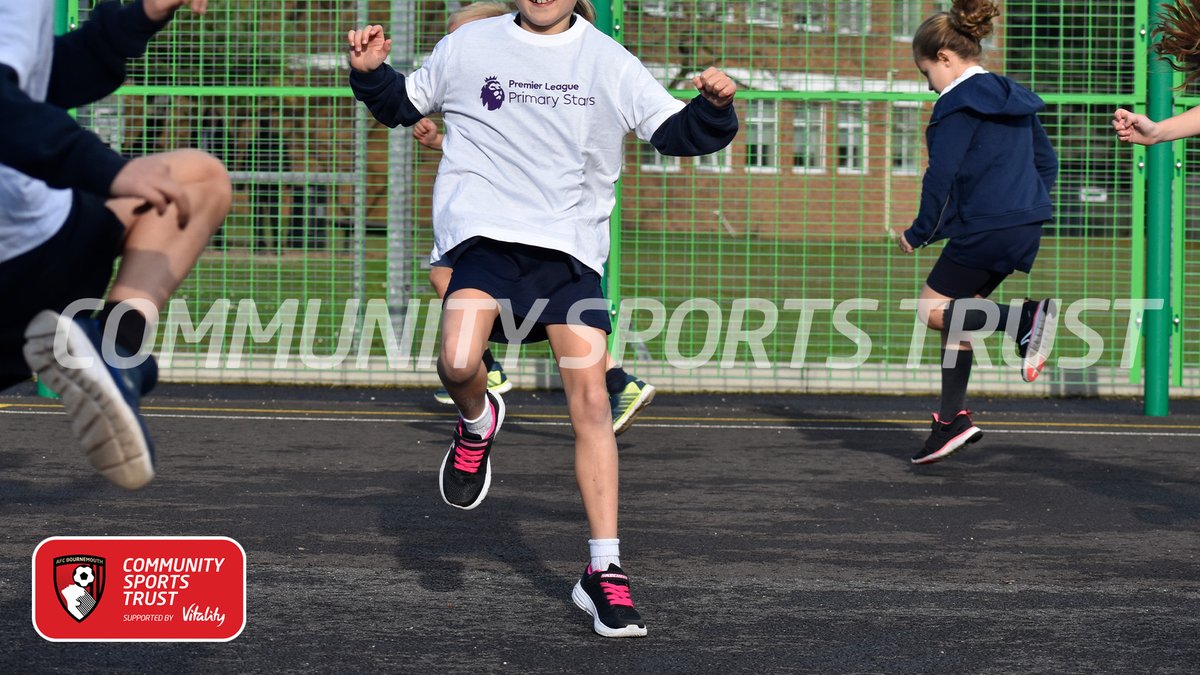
x: 1160, y: 173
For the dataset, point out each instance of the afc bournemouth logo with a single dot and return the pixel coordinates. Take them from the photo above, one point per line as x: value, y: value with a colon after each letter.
x: 492, y: 93
x: 78, y: 583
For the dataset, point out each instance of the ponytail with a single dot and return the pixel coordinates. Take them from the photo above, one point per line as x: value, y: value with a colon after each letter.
x: 960, y: 30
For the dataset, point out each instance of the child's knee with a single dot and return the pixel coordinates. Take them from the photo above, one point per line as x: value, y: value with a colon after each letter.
x: 457, y: 362
x: 591, y: 405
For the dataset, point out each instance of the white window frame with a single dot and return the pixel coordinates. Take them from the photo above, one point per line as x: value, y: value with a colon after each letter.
x: 858, y: 128
x: 720, y: 161
x: 651, y: 160
x: 721, y: 11
x: 910, y: 141
x: 907, y: 16
x: 762, y: 124
x: 806, y: 116
x: 661, y: 8
x: 860, y: 10
x: 765, y: 13
x: 809, y: 9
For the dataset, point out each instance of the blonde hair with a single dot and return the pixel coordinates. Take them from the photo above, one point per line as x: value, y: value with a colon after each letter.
x: 1179, y: 27
x: 484, y: 9
x: 585, y: 9
x: 959, y: 30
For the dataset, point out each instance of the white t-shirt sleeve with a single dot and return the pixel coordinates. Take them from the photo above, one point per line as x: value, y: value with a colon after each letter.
x: 645, y: 103
x: 20, y: 38
x: 426, y: 86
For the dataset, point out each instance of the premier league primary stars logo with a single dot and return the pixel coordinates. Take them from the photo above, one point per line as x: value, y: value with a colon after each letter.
x: 78, y: 583
x: 492, y: 94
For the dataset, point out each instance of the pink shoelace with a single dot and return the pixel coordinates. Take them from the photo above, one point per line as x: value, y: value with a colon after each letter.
x: 617, y: 594
x: 468, y: 455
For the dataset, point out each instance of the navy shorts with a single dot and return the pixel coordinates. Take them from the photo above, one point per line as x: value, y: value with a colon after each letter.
x: 528, y: 276
x: 975, y: 264
x: 77, y: 262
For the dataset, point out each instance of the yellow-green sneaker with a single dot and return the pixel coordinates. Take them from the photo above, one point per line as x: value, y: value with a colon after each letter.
x: 497, y: 381
x: 629, y: 403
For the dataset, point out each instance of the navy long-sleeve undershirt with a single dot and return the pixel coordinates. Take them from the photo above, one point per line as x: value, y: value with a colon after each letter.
x: 40, y: 139
x: 699, y: 129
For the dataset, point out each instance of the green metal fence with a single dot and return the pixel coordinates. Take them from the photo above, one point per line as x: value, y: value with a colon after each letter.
x: 719, y: 263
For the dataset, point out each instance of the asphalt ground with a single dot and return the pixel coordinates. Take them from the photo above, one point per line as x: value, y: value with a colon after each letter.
x: 762, y: 533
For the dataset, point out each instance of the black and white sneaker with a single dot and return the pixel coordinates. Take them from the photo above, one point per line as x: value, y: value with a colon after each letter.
x: 466, y: 471
x: 605, y: 595
x: 1035, y: 336
x: 947, y: 437
x: 101, y: 399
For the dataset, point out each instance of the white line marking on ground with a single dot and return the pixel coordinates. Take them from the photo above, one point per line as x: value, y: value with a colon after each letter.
x: 647, y: 425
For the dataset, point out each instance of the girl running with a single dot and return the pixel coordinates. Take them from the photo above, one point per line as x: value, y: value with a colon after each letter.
x: 537, y: 105
x: 987, y: 191
x: 627, y: 395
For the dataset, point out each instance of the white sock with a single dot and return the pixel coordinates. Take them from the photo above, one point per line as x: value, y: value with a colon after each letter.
x: 481, y: 425
x: 604, y: 551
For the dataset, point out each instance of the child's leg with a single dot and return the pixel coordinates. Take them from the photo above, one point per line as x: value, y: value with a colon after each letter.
x: 580, y: 352
x: 467, y: 320
x: 157, y: 254
x: 956, y: 356
x: 439, y: 278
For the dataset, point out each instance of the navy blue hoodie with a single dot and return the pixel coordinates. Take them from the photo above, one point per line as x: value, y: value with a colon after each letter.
x: 990, y: 163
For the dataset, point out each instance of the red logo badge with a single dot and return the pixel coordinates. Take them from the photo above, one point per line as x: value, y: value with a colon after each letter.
x: 79, y: 584
x: 113, y: 589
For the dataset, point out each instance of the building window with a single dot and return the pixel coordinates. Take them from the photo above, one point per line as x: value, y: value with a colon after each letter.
x: 906, y: 139
x: 765, y: 13
x: 715, y: 11
x: 812, y: 16
x: 717, y: 162
x: 661, y: 8
x: 851, y: 137
x: 652, y: 161
x: 853, y: 17
x: 808, y: 138
x: 762, y: 135
x: 907, y: 16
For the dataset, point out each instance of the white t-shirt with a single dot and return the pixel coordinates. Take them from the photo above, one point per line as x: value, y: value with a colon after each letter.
x: 535, y: 128
x: 30, y: 211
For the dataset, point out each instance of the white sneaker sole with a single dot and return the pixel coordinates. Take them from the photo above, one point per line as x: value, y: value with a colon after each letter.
x: 487, y: 479
x: 953, y: 445
x: 582, y: 601
x: 622, y: 423
x: 105, y: 425
x: 1041, y: 341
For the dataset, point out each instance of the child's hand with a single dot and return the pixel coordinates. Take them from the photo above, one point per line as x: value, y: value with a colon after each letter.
x: 715, y: 86
x: 368, y: 48
x: 149, y: 179
x: 1134, y: 128
x: 903, y: 242
x: 161, y: 10
x: 426, y: 133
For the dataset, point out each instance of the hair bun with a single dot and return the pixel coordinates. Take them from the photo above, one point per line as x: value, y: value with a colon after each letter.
x: 973, y: 18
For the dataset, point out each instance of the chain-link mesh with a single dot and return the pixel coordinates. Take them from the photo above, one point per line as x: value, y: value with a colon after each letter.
x: 723, y: 259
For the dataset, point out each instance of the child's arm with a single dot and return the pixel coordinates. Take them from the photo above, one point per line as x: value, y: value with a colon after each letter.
x: 1134, y: 128
x: 89, y: 63
x: 1044, y: 157
x: 950, y: 143
x: 377, y: 84
x: 706, y: 124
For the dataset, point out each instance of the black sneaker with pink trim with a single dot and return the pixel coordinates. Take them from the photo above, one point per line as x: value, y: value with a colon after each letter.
x: 947, y: 437
x: 605, y: 595
x: 466, y: 470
